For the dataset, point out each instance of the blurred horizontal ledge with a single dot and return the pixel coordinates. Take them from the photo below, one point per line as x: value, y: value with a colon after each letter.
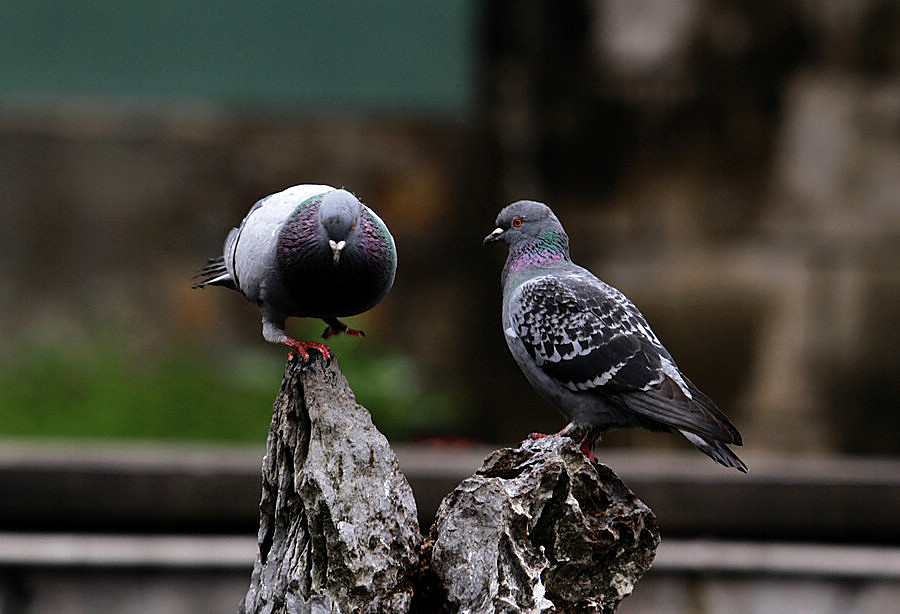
x: 142, y: 551
x: 231, y: 553
x: 710, y: 556
x: 201, y: 489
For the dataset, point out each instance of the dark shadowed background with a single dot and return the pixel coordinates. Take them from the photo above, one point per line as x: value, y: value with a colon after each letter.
x: 733, y: 167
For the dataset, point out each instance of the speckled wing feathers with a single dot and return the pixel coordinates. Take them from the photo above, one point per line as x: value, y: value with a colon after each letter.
x: 587, y: 336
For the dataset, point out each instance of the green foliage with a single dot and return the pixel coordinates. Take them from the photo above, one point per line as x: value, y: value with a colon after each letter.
x: 102, y: 392
x: 389, y: 384
x: 102, y: 389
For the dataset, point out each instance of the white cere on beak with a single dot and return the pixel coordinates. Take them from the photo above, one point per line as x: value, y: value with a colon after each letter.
x: 336, y: 248
x: 497, y: 232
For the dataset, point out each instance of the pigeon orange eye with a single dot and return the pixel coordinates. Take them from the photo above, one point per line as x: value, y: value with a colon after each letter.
x: 517, y: 221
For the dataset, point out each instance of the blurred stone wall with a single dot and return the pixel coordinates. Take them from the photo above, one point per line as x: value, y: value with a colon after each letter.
x: 733, y: 167
x: 111, y: 210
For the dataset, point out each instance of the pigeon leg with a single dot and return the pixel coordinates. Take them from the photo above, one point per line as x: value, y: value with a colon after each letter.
x: 336, y: 327
x: 273, y: 332
x: 303, y: 347
x: 587, y: 444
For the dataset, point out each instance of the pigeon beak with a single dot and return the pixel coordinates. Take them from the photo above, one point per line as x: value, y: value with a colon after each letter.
x: 494, y: 236
x: 336, y: 248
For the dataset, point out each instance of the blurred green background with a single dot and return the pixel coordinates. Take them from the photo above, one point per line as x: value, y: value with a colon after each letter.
x: 101, y: 389
x: 733, y: 167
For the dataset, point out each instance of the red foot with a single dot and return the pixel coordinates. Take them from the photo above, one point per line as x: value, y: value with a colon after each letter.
x: 566, y: 431
x: 330, y: 331
x: 336, y: 327
x: 586, y: 444
x: 301, y: 347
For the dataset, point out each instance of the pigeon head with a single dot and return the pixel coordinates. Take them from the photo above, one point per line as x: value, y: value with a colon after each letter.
x: 530, y: 226
x: 339, y: 213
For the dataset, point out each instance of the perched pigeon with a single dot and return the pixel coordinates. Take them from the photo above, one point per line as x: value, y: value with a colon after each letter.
x: 588, y: 350
x: 309, y: 251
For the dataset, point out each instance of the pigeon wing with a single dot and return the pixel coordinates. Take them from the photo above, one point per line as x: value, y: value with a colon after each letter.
x: 589, y: 337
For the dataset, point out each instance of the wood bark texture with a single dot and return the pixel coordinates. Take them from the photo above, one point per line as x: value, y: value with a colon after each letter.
x: 338, y: 528
x: 538, y: 528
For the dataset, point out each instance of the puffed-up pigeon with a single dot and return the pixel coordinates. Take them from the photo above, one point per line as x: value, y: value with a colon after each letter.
x: 308, y: 251
x: 588, y: 350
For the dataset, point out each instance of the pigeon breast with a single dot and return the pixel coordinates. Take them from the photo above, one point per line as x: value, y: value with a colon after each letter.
x: 250, y: 248
x: 316, y: 285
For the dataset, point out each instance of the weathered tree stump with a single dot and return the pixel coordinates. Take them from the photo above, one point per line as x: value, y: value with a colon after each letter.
x: 536, y: 529
x: 338, y: 528
x: 540, y: 528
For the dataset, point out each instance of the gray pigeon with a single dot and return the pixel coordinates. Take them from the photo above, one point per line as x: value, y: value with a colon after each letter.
x: 308, y: 251
x: 588, y: 350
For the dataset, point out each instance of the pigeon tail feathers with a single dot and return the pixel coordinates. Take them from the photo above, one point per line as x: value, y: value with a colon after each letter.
x: 717, y: 451
x: 665, y: 405
x: 214, y: 274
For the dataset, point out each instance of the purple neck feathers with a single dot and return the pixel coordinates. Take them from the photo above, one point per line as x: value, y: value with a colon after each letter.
x: 549, y: 250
